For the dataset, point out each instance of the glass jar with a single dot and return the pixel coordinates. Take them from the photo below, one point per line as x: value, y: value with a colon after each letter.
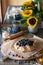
x: 15, y: 28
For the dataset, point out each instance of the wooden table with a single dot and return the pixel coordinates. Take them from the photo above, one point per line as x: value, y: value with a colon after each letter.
x: 13, y: 62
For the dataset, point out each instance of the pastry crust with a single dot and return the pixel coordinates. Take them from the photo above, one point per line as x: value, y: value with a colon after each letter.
x: 24, y: 51
x: 20, y: 53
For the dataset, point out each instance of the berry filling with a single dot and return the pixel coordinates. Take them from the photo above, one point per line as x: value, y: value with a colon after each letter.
x: 25, y: 42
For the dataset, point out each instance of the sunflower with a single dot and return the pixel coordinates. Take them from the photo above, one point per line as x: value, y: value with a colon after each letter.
x: 27, y: 3
x: 27, y: 13
x: 32, y: 21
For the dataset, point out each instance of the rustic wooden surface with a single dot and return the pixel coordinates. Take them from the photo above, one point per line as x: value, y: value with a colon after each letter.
x: 10, y: 62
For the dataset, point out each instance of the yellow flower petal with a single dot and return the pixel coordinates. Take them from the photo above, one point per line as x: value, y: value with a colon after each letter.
x: 27, y: 13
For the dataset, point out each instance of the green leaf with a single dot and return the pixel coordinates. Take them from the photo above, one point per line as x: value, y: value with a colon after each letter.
x: 38, y: 2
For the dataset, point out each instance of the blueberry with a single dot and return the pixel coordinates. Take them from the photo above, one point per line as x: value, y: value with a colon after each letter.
x: 9, y: 53
x: 25, y: 43
x: 13, y: 55
x: 19, y: 41
x: 30, y: 43
x: 20, y: 44
x: 22, y: 57
x: 18, y: 16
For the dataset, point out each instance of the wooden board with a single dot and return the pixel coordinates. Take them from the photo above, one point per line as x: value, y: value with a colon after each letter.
x: 39, y: 45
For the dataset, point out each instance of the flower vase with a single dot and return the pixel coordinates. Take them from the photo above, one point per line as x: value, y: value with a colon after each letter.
x: 33, y: 30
